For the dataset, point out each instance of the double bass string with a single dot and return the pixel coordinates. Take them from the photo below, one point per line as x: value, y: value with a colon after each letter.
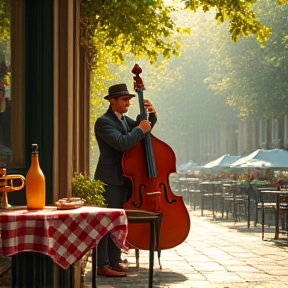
x: 152, y: 173
x: 151, y: 167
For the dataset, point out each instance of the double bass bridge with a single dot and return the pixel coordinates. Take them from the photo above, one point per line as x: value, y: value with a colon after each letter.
x: 153, y: 200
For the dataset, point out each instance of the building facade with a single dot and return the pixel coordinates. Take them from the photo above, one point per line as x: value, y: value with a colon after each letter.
x: 243, y: 137
x: 47, y: 97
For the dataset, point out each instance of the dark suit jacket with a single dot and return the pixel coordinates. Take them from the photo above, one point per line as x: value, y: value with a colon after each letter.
x: 114, y: 138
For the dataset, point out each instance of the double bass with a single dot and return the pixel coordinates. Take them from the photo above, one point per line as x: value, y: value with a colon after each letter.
x: 148, y: 164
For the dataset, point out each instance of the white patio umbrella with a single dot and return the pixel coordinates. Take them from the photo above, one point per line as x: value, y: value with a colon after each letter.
x: 191, y: 165
x: 223, y: 161
x: 255, y: 163
x: 275, y: 158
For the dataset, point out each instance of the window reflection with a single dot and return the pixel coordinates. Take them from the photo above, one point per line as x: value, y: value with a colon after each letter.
x: 5, y: 83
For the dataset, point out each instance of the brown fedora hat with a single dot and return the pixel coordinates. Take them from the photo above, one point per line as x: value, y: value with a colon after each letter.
x: 118, y: 90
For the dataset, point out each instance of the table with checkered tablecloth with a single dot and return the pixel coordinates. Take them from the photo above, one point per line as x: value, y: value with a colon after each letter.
x: 63, y: 235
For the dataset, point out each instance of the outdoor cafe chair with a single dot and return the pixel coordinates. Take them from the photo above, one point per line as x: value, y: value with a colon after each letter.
x: 210, y: 195
x: 227, y: 202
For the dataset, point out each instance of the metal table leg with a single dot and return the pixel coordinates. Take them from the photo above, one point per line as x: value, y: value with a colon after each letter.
x: 94, y: 267
x: 151, y: 253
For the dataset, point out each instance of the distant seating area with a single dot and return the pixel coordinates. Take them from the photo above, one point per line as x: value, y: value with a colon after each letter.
x: 234, y: 200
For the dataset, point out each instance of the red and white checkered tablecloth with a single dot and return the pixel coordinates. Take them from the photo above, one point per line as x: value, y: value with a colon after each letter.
x: 64, y: 235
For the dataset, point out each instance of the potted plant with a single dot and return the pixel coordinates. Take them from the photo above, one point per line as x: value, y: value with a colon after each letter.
x: 89, y: 190
x: 92, y: 192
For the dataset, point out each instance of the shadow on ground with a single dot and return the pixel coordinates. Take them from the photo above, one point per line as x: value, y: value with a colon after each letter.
x: 241, y: 227
x: 136, y: 278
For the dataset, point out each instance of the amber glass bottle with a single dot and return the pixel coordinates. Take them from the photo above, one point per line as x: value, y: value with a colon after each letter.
x: 35, y: 183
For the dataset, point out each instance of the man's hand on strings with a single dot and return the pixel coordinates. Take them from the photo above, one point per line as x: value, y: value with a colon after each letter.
x: 145, y: 126
x: 149, y: 107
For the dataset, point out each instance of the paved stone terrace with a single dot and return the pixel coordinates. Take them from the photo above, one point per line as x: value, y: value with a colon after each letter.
x: 217, y: 253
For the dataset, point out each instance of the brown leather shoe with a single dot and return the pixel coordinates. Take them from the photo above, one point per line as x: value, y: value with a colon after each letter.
x: 125, y: 261
x: 120, y: 268
x: 108, y: 272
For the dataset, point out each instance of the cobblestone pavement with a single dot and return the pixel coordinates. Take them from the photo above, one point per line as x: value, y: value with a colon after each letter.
x: 217, y: 253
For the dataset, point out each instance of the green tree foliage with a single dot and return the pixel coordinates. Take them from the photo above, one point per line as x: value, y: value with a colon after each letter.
x: 242, y: 20
x: 144, y: 27
x: 5, y: 14
x: 5, y: 51
x: 117, y: 28
x: 254, y: 80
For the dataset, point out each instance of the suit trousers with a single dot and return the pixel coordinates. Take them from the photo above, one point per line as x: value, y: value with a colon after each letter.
x: 108, y: 252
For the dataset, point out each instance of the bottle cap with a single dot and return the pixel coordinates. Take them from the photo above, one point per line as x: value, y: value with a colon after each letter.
x: 34, y: 148
x: 2, y: 172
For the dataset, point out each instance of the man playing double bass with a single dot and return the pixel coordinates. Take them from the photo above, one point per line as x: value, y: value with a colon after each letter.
x: 115, y: 134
